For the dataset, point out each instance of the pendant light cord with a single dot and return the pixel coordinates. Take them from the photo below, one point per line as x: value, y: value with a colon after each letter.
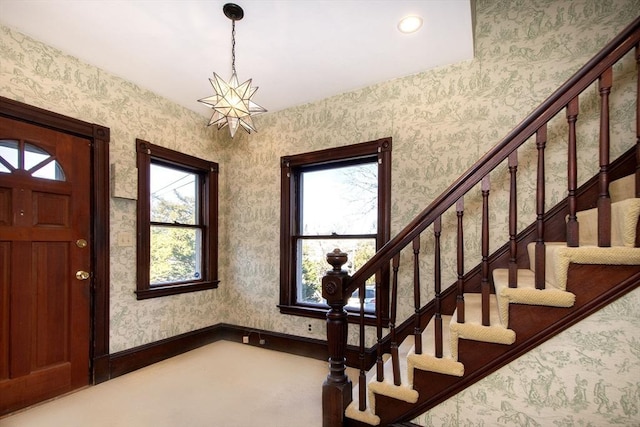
x: 233, y: 46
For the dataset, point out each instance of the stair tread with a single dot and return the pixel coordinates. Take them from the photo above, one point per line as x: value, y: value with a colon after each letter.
x: 365, y: 416
x: 428, y: 337
x: 386, y: 387
x: 405, y: 390
x: 558, y: 256
x: 526, y: 292
x: 473, y: 311
x: 427, y: 361
x: 473, y: 329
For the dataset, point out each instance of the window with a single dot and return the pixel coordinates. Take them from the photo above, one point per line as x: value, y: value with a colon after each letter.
x: 331, y: 198
x: 177, y: 222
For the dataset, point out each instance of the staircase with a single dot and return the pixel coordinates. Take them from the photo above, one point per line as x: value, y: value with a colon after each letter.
x: 573, y: 259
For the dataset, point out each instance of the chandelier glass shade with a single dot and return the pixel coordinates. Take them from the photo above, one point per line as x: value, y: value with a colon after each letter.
x: 231, y: 102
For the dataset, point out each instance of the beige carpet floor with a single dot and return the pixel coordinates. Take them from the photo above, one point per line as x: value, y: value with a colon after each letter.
x: 223, y: 384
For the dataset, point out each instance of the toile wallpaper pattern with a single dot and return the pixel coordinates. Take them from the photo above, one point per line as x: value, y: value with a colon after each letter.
x: 441, y: 122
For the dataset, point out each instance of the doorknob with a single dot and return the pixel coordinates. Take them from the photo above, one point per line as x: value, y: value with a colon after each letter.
x: 82, y: 275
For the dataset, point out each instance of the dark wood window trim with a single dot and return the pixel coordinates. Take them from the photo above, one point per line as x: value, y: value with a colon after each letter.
x: 291, y: 165
x: 208, y: 174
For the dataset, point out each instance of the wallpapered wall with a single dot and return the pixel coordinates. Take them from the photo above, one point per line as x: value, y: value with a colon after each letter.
x: 37, y: 74
x: 441, y: 121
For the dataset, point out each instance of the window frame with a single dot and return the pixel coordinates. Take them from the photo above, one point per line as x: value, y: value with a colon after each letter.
x: 291, y: 166
x: 207, y: 188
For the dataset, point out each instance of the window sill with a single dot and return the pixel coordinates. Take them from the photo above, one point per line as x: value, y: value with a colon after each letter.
x: 161, y: 291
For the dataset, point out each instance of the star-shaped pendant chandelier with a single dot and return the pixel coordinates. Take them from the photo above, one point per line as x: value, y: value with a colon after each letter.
x: 231, y: 103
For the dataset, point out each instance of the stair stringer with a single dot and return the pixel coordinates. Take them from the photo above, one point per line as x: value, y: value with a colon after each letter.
x: 498, y: 332
x: 595, y: 287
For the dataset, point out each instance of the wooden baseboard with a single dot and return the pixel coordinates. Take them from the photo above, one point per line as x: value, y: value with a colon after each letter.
x: 100, y: 369
x: 135, y: 358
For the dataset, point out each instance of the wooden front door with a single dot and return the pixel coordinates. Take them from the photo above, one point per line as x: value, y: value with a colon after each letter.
x: 45, y: 263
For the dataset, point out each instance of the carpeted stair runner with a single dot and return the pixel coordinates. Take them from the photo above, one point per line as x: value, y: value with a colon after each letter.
x: 403, y: 392
x: 427, y: 361
x: 473, y: 329
x: 625, y: 212
x: 526, y: 292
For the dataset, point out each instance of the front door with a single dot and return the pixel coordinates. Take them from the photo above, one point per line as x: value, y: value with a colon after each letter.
x: 45, y: 263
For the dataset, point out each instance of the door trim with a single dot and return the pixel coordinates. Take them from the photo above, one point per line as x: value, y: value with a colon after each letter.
x: 99, y: 137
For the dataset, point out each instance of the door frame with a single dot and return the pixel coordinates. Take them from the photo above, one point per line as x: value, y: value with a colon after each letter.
x: 99, y: 171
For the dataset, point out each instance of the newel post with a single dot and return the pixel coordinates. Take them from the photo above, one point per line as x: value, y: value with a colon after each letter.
x: 336, y: 389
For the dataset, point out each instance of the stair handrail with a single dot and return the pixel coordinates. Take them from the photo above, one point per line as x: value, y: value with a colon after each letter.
x: 575, y: 85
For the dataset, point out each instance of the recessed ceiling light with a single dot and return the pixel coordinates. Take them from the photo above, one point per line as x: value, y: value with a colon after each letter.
x: 410, y: 24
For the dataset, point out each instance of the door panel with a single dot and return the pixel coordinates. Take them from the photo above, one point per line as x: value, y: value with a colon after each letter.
x: 5, y: 206
x: 50, y: 267
x: 50, y: 209
x: 5, y: 259
x: 44, y: 211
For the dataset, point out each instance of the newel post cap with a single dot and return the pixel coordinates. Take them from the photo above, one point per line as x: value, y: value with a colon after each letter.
x: 337, y: 259
x: 336, y: 279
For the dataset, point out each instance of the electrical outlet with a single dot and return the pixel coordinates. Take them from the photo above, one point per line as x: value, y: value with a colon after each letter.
x: 262, y: 341
x: 245, y: 339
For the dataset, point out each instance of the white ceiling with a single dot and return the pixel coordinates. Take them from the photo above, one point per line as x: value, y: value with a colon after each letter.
x: 296, y: 51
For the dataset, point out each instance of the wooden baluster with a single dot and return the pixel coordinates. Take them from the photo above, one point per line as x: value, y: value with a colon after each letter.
x: 513, y: 221
x: 336, y: 389
x: 437, y: 230
x: 604, y: 201
x: 637, y: 192
x: 416, y: 295
x: 379, y: 347
x: 572, y: 172
x: 460, y: 259
x: 638, y: 123
x: 484, y: 283
x: 362, y: 377
x: 395, y: 358
x: 540, y: 258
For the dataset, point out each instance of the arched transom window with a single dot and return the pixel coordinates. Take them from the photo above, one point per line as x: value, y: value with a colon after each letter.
x: 24, y: 158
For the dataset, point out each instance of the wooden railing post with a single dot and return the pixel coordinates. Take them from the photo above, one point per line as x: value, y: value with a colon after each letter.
x: 540, y: 257
x: 485, y: 286
x: 572, y: 174
x: 604, y: 200
x: 460, y: 260
x: 513, y: 220
x: 417, y: 331
x: 637, y: 55
x: 336, y: 389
